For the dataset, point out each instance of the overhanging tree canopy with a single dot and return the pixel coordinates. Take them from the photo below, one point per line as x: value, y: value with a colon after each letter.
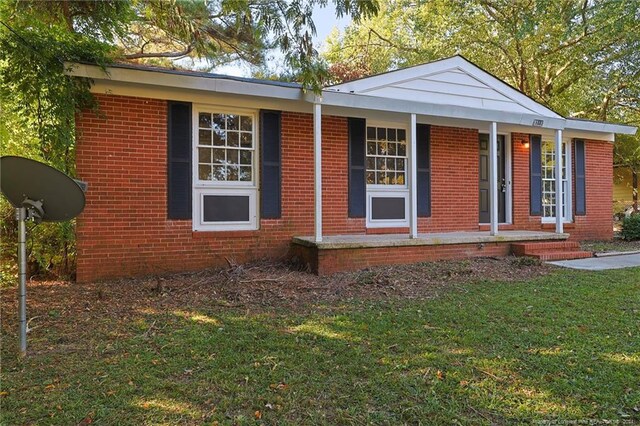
x: 580, y: 58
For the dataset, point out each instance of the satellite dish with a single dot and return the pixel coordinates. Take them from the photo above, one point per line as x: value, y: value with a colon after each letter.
x: 24, y: 179
x: 39, y: 193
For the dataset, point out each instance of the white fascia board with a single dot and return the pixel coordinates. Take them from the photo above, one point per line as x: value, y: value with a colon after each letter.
x: 455, y: 62
x: 352, y: 100
x: 110, y: 87
x: 194, y: 82
x: 594, y: 126
x: 585, y: 135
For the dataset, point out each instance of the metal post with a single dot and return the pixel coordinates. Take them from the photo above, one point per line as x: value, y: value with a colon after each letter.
x: 21, y: 216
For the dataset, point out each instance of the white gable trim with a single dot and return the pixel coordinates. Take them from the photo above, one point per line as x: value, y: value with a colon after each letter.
x: 453, y: 64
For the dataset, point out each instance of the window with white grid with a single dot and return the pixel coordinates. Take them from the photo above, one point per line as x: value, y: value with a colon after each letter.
x: 225, y: 147
x: 225, y: 167
x: 548, y: 151
x: 386, y: 156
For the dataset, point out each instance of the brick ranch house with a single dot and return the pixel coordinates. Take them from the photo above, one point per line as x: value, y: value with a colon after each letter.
x: 190, y: 170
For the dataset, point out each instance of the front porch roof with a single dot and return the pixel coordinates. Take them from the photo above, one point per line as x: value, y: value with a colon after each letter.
x: 337, y: 242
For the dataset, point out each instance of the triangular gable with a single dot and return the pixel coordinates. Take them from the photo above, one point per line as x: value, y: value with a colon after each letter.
x: 453, y: 81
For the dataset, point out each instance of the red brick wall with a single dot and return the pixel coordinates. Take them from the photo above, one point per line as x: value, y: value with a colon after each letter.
x: 598, y: 222
x: 124, y: 229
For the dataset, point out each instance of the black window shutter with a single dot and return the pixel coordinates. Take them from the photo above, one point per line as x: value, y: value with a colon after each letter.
x: 270, y: 195
x: 535, y: 174
x: 357, y: 182
x: 423, y: 139
x: 179, y: 153
x: 581, y: 199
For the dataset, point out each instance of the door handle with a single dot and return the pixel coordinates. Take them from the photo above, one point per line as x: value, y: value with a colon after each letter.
x: 503, y: 186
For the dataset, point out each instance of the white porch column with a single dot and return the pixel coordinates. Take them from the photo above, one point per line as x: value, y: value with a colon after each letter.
x: 559, y: 192
x: 413, y: 180
x: 317, y: 159
x: 493, y: 178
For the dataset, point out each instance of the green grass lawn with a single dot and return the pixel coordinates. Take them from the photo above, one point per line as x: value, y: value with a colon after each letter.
x: 564, y: 346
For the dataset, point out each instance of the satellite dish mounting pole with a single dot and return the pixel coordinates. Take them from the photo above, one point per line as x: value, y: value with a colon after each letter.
x: 42, y: 194
x: 21, y: 215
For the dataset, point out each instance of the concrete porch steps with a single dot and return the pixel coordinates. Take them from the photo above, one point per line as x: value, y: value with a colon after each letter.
x: 551, y: 250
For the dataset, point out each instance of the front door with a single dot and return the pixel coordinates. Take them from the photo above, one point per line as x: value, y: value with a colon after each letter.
x: 485, y: 197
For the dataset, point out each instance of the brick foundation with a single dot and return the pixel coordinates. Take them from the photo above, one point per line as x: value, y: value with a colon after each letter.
x: 324, y: 262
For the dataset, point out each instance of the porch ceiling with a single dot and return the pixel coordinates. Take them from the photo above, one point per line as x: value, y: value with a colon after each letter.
x: 336, y: 242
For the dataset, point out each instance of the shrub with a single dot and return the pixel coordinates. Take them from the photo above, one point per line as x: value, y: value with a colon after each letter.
x: 631, y: 227
x: 51, y: 249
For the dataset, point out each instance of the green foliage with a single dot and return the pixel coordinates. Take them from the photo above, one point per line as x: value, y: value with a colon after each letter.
x: 225, y: 31
x: 626, y: 151
x: 577, y: 57
x: 50, y: 248
x: 38, y: 103
x: 631, y: 227
x: 41, y: 99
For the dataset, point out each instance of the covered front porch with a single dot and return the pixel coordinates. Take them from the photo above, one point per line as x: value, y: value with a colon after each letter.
x: 424, y: 160
x: 336, y: 253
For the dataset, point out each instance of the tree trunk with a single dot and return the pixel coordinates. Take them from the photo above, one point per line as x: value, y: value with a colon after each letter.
x: 634, y: 174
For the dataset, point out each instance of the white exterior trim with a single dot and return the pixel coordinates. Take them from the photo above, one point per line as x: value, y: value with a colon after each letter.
x: 568, y: 196
x: 388, y: 193
x: 413, y: 180
x: 352, y: 100
x: 202, y: 188
x: 317, y: 160
x: 598, y: 126
x: 493, y: 178
x: 164, y: 78
x: 508, y: 177
x: 559, y: 168
x: 175, y: 85
x: 455, y: 63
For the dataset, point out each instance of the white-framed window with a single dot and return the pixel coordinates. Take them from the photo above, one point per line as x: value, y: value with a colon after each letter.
x: 225, y: 160
x: 386, y: 156
x: 387, y: 171
x: 548, y: 162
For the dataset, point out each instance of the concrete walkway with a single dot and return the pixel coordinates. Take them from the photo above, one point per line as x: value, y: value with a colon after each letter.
x: 602, y: 263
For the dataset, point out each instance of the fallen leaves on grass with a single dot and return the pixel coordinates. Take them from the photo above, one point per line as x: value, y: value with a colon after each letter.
x: 77, y: 311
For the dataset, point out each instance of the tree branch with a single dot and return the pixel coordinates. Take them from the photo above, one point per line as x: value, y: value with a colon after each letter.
x: 392, y: 44
x: 140, y: 55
